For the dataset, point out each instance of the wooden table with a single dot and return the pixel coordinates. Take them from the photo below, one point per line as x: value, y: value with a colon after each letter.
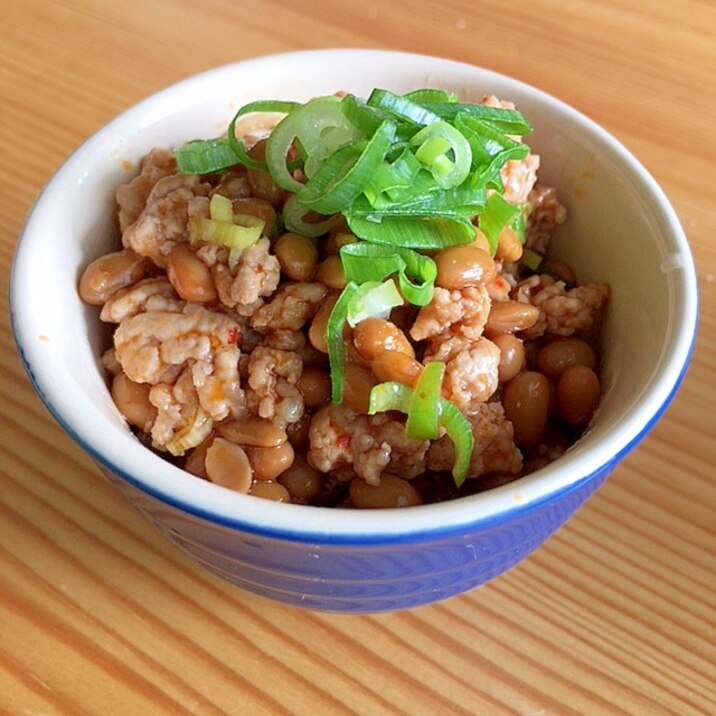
x: 616, y: 614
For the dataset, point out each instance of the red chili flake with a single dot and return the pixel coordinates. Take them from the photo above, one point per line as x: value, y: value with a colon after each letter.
x: 343, y: 441
x: 233, y: 336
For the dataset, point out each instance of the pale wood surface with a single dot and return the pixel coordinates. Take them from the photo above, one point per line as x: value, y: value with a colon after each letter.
x: 614, y: 615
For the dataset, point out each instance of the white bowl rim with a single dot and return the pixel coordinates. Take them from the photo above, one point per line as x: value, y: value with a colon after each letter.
x: 152, y: 475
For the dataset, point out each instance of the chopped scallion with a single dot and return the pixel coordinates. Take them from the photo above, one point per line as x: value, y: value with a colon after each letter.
x: 424, y: 412
x: 232, y: 236
x: 459, y: 431
x: 498, y: 213
x: 433, y: 144
x: 531, y: 259
x: 373, y: 299
x: 336, y: 344
x: 363, y: 261
x: 396, y: 396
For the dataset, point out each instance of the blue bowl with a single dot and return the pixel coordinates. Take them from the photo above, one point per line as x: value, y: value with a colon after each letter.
x: 622, y: 230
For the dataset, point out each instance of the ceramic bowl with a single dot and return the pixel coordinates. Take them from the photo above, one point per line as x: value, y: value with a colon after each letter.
x: 622, y: 230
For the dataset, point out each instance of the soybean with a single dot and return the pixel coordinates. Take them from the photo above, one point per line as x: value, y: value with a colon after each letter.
x: 511, y: 316
x: 577, y: 395
x: 358, y: 382
x: 301, y: 480
x: 373, y: 336
x: 132, y: 400
x: 252, y: 431
x: 526, y: 401
x: 109, y: 273
x: 330, y: 272
x: 512, y: 356
x: 260, y: 181
x: 190, y: 276
x: 228, y: 465
x: 317, y: 330
x: 269, y: 462
x: 270, y: 490
x: 392, y: 491
x: 298, y: 432
x: 297, y: 255
x: 399, y: 367
x: 509, y: 246
x: 336, y: 240
x: 259, y: 208
x: 463, y: 266
x: 558, y: 355
x: 315, y: 386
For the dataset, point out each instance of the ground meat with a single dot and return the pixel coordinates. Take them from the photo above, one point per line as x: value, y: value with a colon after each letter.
x: 272, y: 377
x: 255, y: 275
x: 519, y: 177
x: 490, y: 100
x: 494, y: 450
x: 152, y: 294
x: 218, y: 385
x: 371, y: 444
x: 562, y: 312
x: 286, y: 340
x: 291, y: 308
x: 462, y: 312
x: 234, y: 184
x: 165, y: 218
x: 132, y: 197
x: 181, y: 424
x: 499, y: 288
x: 546, y: 212
x: 471, y: 371
x: 151, y: 345
x: 110, y: 362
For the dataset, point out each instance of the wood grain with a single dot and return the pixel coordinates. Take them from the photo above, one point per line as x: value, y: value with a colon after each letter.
x: 616, y: 614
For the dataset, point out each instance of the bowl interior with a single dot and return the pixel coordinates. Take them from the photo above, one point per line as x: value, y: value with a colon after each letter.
x: 621, y: 230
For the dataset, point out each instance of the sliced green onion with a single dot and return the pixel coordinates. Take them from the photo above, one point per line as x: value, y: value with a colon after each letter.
x: 520, y: 224
x: 365, y: 118
x: 457, y: 203
x: 424, y: 269
x: 402, y: 108
x: 433, y: 144
x: 389, y: 396
x: 420, y: 232
x: 221, y: 209
x: 191, y: 435
x: 373, y: 299
x: 336, y: 344
x: 396, y: 396
x: 294, y: 219
x: 429, y: 96
x: 424, y: 411
x: 205, y: 156
x: 490, y: 150
x: 238, y: 145
x: 364, y: 261
x: 508, y: 121
x: 232, y: 236
x: 459, y: 431
x: 401, y: 173
x: 498, y: 213
x: 531, y: 259
x: 320, y: 127
x: 343, y: 176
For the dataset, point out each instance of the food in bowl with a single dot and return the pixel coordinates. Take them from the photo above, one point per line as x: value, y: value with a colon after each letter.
x: 350, y: 307
x: 621, y: 228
